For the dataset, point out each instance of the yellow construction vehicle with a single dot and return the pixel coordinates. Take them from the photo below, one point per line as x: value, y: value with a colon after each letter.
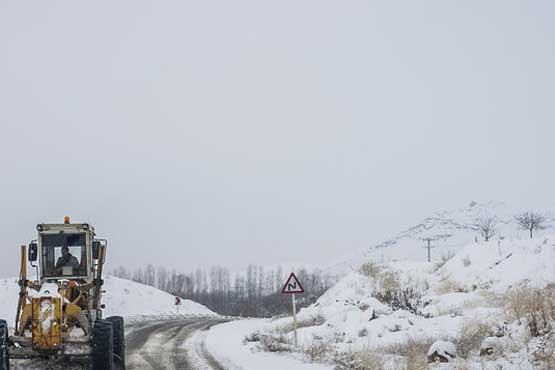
x: 59, y: 314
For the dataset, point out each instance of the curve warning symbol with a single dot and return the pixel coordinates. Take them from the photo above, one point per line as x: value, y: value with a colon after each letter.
x: 293, y: 285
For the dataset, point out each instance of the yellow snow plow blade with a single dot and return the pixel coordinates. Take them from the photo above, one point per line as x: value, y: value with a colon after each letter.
x: 47, y: 323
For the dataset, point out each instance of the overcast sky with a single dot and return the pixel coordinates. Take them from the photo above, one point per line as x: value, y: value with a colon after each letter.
x: 193, y: 133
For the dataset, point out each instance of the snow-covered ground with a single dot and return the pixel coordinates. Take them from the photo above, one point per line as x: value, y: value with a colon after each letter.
x: 225, y: 344
x: 443, y: 303
x: 123, y: 297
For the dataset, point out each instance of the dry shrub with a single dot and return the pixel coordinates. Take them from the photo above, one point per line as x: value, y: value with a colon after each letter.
x: 463, y: 364
x: 413, y: 353
x: 252, y: 337
x: 275, y: 343
x: 290, y: 326
x: 545, y: 354
x: 371, y: 270
x: 444, y: 258
x: 366, y: 360
x: 388, y: 289
x: 532, y: 306
x: 449, y: 286
x: 361, y: 360
x: 466, y: 261
x: 472, y: 335
x: 400, y: 299
x: 319, y: 351
x: 389, y: 281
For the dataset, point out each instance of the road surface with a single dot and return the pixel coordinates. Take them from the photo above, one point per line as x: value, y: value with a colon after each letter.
x: 159, y: 345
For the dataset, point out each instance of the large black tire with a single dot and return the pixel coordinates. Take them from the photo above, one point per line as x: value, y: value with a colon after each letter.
x: 119, y: 338
x: 102, y: 346
x: 4, y: 355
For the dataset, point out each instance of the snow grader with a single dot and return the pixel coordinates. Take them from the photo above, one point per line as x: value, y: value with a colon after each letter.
x: 59, y: 314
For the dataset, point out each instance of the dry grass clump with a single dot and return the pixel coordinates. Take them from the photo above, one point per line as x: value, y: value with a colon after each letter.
x: 371, y: 270
x: 472, y: 335
x: 466, y: 261
x: 532, y: 306
x: 382, y: 278
x: 449, y: 286
x: 253, y: 337
x: 545, y: 354
x: 387, y: 288
x: 319, y: 351
x: 290, y: 326
x: 360, y: 360
x: 275, y: 343
x: 413, y: 353
x: 444, y: 258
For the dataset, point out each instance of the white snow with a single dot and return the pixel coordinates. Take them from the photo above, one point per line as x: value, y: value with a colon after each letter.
x: 225, y: 343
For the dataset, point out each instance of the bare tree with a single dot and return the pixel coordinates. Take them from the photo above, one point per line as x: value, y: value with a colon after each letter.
x: 486, y: 225
x: 531, y: 220
x: 163, y: 277
x: 254, y: 292
x: 150, y: 275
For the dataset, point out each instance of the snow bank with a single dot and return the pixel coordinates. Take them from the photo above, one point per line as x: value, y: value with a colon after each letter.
x: 225, y: 343
x: 123, y: 298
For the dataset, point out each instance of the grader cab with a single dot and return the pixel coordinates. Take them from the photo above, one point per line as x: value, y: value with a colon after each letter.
x: 59, y: 314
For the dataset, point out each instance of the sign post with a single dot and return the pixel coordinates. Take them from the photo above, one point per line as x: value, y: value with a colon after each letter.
x: 293, y: 286
x: 177, y: 303
x: 295, y: 318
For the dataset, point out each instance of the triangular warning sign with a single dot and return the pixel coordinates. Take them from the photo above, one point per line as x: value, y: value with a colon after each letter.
x: 293, y: 285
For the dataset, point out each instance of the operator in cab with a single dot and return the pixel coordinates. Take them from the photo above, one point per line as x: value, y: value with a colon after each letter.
x: 67, y: 260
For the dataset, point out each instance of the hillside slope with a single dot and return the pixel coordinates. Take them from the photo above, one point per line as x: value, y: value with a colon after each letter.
x: 448, y: 231
x: 383, y: 307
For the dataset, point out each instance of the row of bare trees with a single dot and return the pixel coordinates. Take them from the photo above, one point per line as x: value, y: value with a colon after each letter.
x: 255, y: 292
x: 530, y: 221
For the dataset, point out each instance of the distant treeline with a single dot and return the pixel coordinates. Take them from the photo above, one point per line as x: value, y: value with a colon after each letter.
x: 254, y: 293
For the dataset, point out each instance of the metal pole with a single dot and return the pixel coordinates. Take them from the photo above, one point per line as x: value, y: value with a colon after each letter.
x: 295, y: 318
x: 429, y: 248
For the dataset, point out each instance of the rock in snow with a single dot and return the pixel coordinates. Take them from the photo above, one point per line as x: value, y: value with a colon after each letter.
x: 492, y: 346
x: 442, y: 351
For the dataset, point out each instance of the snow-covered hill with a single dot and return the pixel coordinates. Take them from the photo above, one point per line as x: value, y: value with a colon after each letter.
x: 123, y: 297
x: 448, y: 232
x: 464, y: 300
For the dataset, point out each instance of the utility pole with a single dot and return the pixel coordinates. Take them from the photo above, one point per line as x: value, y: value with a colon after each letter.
x: 429, y: 247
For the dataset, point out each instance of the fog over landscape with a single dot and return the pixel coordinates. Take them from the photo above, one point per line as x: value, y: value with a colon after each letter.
x: 231, y: 133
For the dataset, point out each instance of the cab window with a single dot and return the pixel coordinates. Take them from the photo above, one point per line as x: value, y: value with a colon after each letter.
x: 64, y: 255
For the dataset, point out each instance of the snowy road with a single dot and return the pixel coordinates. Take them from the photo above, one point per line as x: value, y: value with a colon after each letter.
x: 159, y: 345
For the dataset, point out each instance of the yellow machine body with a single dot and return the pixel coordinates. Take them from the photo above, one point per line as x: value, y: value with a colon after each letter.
x: 46, y: 323
x: 56, y: 312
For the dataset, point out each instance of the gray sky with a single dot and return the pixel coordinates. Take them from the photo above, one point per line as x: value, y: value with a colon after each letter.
x: 237, y: 132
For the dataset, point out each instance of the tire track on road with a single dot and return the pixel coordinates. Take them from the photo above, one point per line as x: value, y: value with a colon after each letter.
x: 158, y: 345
